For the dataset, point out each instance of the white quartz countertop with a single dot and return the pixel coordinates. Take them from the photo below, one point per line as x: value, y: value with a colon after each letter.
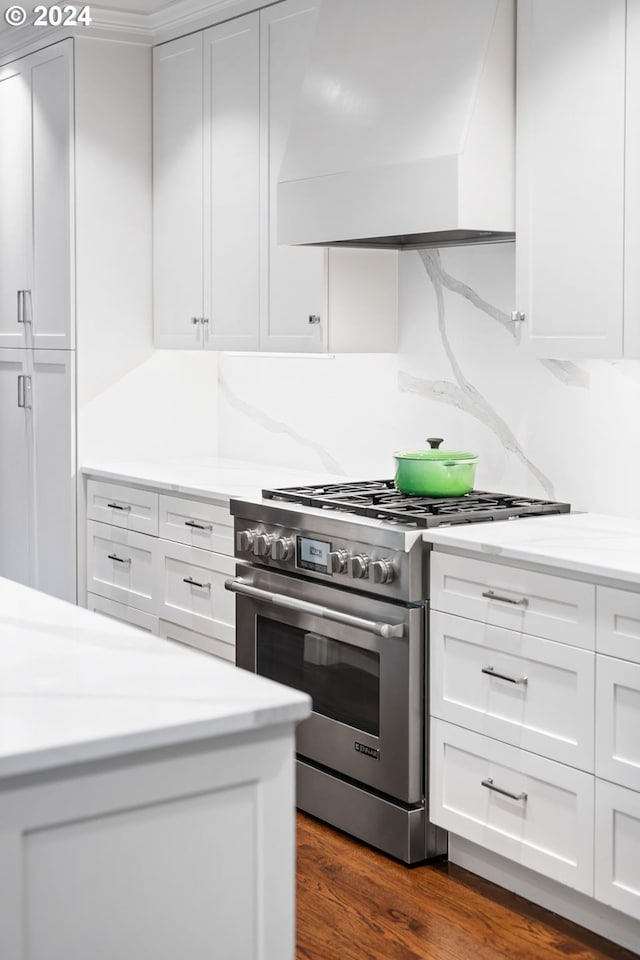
x: 598, y: 545
x: 206, y: 477
x: 76, y: 686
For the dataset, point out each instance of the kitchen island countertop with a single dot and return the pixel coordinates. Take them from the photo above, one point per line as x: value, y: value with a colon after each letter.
x: 79, y: 687
x: 591, y: 545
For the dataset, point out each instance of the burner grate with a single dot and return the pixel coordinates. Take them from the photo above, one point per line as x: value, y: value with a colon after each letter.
x: 380, y: 500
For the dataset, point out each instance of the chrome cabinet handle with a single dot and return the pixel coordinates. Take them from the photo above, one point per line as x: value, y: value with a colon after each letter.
x: 23, y: 317
x: 492, y: 595
x: 492, y: 672
x: 386, y: 630
x: 198, y: 526
x: 114, y: 556
x: 24, y: 391
x: 195, y: 583
x: 117, y: 506
x: 490, y: 785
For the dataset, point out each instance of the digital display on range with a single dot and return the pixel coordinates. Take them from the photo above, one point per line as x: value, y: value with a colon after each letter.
x: 313, y: 554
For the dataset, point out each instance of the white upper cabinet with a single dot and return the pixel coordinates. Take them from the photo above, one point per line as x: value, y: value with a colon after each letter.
x: 223, y: 104
x: 293, y: 278
x: 232, y: 179
x: 570, y: 183
x: 178, y: 189
x: 36, y: 273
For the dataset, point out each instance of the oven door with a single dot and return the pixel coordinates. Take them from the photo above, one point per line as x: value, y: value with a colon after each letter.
x: 361, y: 660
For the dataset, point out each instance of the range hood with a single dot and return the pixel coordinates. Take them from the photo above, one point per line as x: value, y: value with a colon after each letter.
x: 403, y: 135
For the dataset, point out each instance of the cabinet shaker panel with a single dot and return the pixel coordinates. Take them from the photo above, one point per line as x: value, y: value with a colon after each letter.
x: 178, y: 192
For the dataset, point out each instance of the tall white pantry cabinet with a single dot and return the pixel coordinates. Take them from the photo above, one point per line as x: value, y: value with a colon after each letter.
x: 65, y: 273
x: 37, y: 375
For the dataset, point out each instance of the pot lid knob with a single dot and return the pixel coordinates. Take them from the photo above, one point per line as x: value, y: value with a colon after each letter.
x: 434, y: 442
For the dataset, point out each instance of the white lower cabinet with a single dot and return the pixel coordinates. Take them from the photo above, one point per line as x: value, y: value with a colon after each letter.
x: 617, y: 873
x: 534, y: 747
x: 122, y: 612
x: 200, y: 641
x: 191, y: 589
x: 618, y: 727
x: 530, y: 692
x: 525, y: 807
x: 171, y: 584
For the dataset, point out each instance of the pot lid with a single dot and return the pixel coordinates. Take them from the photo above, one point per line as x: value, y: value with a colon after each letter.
x: 434, y: 453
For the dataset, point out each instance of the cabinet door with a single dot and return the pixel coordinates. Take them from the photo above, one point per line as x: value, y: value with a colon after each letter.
x: 617, y: 861
x: 292, y: 278
x: 570, y: 175
x: 15, y: 200
x: 54, y: 500
x: 16, y: 452
x: 178, y: 217
x: 232, y: 179
x: 50, y: 306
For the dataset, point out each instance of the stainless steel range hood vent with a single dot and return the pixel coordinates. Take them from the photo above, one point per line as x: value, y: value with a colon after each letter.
x: 403, y: 135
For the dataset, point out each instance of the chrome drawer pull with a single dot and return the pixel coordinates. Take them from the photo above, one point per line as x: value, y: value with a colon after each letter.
x: 490, y: 785
x: 198, y: 526
x: 194, y: 583
x: 492, y: 672
x: 22, y: 306
x: 116, y: 506
x: 492, y: 595
x: 114, y: 556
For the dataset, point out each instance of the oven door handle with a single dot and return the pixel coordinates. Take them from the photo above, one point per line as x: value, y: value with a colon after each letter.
x: 386, y: 630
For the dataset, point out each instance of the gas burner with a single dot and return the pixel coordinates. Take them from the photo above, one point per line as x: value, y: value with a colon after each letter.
x: 380, y: 500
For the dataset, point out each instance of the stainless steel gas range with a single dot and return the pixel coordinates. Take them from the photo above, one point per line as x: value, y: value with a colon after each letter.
x: 332, y: 598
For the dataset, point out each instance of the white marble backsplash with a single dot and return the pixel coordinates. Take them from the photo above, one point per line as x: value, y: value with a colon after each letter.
x: 463, y: 372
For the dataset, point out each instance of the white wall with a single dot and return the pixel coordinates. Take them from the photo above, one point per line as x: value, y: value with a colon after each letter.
x: 541, y: 428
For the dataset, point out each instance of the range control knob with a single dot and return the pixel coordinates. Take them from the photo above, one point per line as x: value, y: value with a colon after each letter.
x: 282, y: 548
x: 358, y: 565
x: 262, y: 544
x: 244, y: 540
x: 381, y: 571
x: 337, y: 561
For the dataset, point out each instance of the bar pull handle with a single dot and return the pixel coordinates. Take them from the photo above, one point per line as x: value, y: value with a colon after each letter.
x: 24, y: 391
x: 23, y: 317
x: 490, y: 785
x: 117, y: 506
x: 245, y: 589
x: 198, y: 526
x: 196, y: 583
x: 492, y: 595
x: 492, y: 672
x: 114, y: 556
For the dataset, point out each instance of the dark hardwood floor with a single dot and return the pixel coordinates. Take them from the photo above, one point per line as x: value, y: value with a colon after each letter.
x: 356, y: 904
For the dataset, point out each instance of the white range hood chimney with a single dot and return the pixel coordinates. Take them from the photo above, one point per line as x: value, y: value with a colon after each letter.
x: 403, y: 134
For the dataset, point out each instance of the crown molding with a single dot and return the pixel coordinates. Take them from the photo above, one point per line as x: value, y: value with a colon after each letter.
x: 177, y: 18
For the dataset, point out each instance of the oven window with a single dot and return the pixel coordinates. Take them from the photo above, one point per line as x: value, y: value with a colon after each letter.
x: 342, y: 680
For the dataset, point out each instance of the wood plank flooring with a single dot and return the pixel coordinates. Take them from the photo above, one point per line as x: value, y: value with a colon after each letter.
x: 353, y: 903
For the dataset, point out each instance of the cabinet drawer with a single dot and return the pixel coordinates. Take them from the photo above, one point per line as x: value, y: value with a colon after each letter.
x: 546, y: 825
x: 617, y: 860
x: 121, y: 565
x: 539, y: 695
x: 536, y: 603
x: 618, y: 721
x: 206, y: 525
x: 191, y: 589
x: 123, y: 506
x: 119, y: 611
x: 618, y: 623
x: 225, y: 650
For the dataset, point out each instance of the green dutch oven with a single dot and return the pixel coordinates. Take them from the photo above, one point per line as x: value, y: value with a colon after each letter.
x: 434, y: 472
